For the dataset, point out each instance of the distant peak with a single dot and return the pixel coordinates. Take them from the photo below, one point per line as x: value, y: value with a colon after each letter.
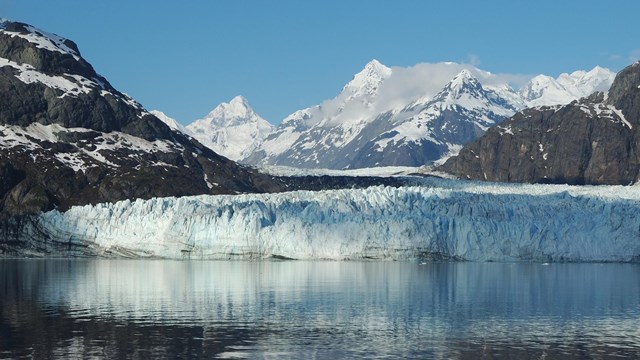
x: 599, y: 70
x: 378, y: 68
x: 542, y: 79
x: 235, y: 112
x: 239, y: 100
x: 238, y: 106
x: 464, y: 77
x: 369, y: 79
x: 373, y: 70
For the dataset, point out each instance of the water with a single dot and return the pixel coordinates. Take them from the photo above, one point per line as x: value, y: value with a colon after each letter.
x: 293, y: 309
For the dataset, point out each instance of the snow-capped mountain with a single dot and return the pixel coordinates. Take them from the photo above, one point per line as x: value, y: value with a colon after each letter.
x: 171, y: 122
x: 411, y: 116
x: 364, y: 86
x: 68, y: 137
x: 544, y: 90
x: 588, y: 141
x: 232, y: 129
x: 431, y: 128
x: 314, y: 137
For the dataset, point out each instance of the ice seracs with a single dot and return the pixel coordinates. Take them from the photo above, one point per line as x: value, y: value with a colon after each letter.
x: 232, y: 129
x: 443, y: 219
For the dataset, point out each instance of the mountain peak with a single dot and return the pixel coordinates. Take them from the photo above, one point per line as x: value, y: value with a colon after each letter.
x: 239, y: 101
x: 541, y: 79
x: 463, y: 82
x: 462, y: 78
x: 543, y: 90
x: 598, y: 68
x: 368, y: 80
x: 376, y: 66
x: 229, y: 113
x: 232, y: 129
x: 107, y: 146
x: 41, y: 39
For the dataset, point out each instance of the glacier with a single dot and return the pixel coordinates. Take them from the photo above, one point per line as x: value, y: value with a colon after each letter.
x: 438, y: 219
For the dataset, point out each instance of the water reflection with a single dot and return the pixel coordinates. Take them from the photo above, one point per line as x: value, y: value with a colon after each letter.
x: 158, y: 308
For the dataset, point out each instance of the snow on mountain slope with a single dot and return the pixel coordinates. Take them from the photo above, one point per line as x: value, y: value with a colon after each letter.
x: 307, y: 133
x: 588, y: 141
x: 79, y: 77
x: 410, y: 116
x: 232, y: 129
x: 432, y: 128
x: 365, y: 85
x: 544, y: 90
x: 42, y: 39
x: 70, y: 138
x: 358, y: 134
x: 443, y: 219
x: 171, y: 122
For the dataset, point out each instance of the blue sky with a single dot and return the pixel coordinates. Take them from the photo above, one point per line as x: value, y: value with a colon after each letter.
x: 185, y: 57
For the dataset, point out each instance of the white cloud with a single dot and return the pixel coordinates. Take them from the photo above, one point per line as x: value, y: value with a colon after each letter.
x: 427, y: 79
x: 406, y: 84
x: 473, y: 60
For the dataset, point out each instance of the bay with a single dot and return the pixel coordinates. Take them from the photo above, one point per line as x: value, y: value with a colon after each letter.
x: 95, y: 308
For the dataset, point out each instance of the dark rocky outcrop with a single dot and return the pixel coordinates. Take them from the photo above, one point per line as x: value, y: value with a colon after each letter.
x: 595, y: 140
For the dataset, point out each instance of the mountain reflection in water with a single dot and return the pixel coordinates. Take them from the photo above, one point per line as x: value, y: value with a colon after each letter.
x: 208, y: 309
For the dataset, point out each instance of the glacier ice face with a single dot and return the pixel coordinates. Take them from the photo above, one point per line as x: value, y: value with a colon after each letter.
x: 441, y: 219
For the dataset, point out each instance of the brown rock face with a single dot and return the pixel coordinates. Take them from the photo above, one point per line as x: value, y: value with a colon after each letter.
x: 595, y: 140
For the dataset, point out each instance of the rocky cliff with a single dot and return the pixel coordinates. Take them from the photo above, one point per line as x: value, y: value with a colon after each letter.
x: 594, y: 140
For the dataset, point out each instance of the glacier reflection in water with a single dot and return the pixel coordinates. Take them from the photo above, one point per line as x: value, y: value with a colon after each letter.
x: 293, y: 309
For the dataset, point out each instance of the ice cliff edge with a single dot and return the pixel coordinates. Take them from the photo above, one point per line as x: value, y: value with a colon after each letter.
x: 454, y: 220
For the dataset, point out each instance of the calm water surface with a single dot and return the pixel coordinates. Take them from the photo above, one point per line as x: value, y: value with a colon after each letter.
x: 206, y: 309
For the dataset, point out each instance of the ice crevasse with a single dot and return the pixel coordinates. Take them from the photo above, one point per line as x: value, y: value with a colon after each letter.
x: 446, y: 219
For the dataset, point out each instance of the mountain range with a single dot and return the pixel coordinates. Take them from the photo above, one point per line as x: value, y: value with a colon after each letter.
x: 67, y: 137
x: 383, y: 118
x: 70, y: 138
x: 593, y: 140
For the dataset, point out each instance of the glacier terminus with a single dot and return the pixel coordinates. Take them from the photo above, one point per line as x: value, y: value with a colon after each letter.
x: 436, y: 219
